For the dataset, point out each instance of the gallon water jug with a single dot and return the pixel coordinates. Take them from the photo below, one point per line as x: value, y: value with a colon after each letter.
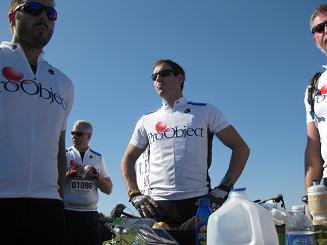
x: 317, y: 200
x: 241, y: 222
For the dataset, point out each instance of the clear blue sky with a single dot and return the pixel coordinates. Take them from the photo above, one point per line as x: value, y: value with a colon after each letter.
x: 251, y: 59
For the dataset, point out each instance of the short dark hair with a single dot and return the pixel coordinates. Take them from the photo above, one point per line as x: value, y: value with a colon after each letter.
x: 322, y: 8
x: 176, y: 67
x: 15, y: 3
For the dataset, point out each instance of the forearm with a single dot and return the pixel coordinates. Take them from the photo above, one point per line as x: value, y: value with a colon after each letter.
x: 313, y: 167
x: 105, y: 184
x: 128, y: 173
x: 239, y: 157
x: 62, y: 163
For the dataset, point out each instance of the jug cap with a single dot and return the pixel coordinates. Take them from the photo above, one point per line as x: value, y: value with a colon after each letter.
x: 239, y: 189
x: 298, y: 208
x: 316, y: 188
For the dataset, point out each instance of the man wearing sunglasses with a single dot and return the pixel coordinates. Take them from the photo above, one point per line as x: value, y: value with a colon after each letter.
x: 35, y: 101
x: 316, y: 107
x: 179, y: 139
x: 86, y: 173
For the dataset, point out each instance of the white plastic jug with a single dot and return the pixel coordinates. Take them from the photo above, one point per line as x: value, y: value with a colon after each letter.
x: 241, y: 222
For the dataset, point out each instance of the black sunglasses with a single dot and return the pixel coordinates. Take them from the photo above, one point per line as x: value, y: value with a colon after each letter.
x: 35, y: 9
x: 320, y: 28
x: 77, y: 133
x: 163, y: 73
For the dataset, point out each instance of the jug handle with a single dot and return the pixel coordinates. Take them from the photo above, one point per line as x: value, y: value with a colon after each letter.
x: 254, y: 220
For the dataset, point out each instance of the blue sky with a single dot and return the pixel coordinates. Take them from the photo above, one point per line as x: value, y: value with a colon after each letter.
x: 251, y: 59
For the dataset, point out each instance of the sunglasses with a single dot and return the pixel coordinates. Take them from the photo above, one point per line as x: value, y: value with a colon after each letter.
x: 77, y: 133
x: 320, y: 28
x: 35, y: 9
x: 163, y: 73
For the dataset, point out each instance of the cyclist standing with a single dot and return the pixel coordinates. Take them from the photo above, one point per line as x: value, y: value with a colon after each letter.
x: 35, y: 101
x: 179, y: 136
x: 86, y: 173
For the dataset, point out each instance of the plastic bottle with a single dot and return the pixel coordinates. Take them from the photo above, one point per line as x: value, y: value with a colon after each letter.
x: 299, y: 229
x: 201, y: 221
x: 241, y: 222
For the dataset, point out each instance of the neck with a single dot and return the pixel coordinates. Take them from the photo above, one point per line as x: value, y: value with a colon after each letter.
x: 31, y: 53
x: 171, y: 100
x: 81, y: 148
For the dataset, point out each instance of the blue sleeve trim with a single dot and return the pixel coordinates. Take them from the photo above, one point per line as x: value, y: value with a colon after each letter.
x: 94, y: 152
x: 195, y: 103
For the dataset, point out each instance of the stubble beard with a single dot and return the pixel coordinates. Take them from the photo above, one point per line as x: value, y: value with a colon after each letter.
x: 29, y: 37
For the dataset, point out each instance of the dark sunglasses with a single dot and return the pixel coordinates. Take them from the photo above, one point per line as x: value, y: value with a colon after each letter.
x: 163, y: 73
x: 77, y: 133
x: 320, y: 28
x: 35, y: 9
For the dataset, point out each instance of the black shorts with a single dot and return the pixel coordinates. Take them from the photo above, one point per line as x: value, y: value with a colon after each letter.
x: 177, y: 212
x: 82, y: 228
x: 32, y: 221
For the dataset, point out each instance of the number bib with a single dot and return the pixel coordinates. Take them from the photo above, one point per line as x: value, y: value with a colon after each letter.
x: 81, y: 186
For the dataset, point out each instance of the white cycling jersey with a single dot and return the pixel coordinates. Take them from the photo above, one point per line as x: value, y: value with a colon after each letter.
x: 33, y: 111
x: 320, y: 118
x: 81, y: 193
x: 179, y: 140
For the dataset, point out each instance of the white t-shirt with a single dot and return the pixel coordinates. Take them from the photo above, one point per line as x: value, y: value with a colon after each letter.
x: 320, y: 119
x: 33, y: 111
x: 81, y: 193
x: 178, y: 140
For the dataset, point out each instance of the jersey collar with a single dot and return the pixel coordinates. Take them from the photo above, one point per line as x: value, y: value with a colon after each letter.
x: 180, y: 102
x: 14, y: 47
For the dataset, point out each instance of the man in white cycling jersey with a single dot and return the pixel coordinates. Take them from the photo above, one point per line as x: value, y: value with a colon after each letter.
x: 35, y: 101
x: 178, y: 138
x: 316, y: 107
x: 86, y: 173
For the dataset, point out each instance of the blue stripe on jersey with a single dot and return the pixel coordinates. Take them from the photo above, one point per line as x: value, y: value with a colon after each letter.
x: 195, y: 103
x: 69, y: 149
x: 94, y: 152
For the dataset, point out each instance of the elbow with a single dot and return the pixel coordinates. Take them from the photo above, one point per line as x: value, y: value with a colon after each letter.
x: 244, y: 150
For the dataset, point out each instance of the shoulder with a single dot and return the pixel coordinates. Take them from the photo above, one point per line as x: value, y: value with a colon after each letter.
x: 95, y: 153
x: 62, y: 77
x: 152, y: 112
x: 196, y: 103
x: 69, y: 149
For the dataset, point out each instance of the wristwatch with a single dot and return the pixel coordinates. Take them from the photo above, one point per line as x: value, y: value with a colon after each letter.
x: 225, y: 188
x: 133, y: 192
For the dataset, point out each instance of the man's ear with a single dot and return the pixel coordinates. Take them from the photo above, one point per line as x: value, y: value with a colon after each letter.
x: 11, y: 18
x: 181, y: 77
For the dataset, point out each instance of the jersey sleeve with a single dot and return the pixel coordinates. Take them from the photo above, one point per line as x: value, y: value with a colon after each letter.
x: 307, y: 107
x: 103, y: 169
x: 216, y: 119
x: 139, y: 137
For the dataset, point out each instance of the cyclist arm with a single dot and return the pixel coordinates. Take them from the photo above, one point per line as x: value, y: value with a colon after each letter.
x: 62, y: 163
x: 105, y: 184
x: 240, y: 153
x: 313, y: 159
x: 131, y: 154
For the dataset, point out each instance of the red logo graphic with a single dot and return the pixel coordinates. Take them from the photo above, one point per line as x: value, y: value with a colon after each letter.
x: 73, y: 163
x: 323, y: 90
x: 12, y: 75
x: 161, y: 127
